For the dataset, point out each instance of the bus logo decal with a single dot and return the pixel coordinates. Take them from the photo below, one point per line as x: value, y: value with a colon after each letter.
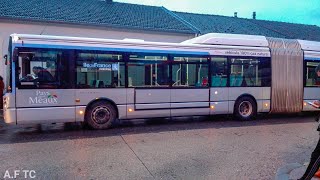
x: 102, y: 66
x: 44, y: 97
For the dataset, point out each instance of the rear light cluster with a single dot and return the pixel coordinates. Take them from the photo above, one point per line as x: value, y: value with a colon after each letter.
x: 5, y: 104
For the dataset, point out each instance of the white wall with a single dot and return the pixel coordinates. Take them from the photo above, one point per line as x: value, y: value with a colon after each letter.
x: 7, y: 28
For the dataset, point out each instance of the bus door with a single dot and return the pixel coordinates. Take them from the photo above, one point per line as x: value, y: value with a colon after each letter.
x: 152, y: 103
x: 43, y: 87
x: 190, y: 86
x: 219, y: 92
x: 149, y: 74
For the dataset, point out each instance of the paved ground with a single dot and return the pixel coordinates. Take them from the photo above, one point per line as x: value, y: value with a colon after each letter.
x: 178, y: 149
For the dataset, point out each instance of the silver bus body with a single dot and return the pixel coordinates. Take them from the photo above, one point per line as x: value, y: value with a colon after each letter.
x: 25, y: 106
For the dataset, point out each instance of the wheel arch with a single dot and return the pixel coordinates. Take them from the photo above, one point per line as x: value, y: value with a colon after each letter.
x: 102, y: 99
x: 244, y: 95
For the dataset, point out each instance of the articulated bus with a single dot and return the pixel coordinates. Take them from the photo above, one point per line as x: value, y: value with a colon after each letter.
x: 98, y: 81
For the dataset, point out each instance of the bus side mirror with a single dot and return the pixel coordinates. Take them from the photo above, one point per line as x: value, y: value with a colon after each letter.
x: 5, y: 57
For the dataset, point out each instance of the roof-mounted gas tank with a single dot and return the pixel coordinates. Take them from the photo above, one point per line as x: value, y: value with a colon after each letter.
x: 309, y: 45
x: 229, y: 39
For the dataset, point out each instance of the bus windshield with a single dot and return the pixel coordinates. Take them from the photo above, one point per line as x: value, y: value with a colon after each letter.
x: 9, y: 68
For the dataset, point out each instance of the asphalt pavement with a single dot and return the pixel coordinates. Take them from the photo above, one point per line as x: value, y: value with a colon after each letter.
x: 183, y: 148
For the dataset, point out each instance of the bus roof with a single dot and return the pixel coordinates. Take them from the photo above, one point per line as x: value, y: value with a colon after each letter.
x: 144, y: 46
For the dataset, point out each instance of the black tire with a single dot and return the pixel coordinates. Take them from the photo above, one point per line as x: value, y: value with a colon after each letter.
x: 101, y: 115
x: 245, y: 109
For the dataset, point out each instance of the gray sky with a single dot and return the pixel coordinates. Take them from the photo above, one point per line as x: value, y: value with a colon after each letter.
x: 295, y: 11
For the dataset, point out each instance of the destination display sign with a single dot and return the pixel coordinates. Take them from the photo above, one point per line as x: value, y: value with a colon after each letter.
x: 241, y: 53
x: 102, y: 66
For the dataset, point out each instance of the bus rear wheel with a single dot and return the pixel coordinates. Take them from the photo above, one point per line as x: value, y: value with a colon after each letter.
x: 245, y: 109
x: 101, y: 115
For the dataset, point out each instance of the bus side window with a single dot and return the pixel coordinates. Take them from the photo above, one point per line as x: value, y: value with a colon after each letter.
x: 148, y: 70
x: 317, y: 75
x: 98, y: 69
x: 219, y: 72
x: 42, y: 69
x: 312, y: 76
x: 190, y: 72
x: 250, y: 72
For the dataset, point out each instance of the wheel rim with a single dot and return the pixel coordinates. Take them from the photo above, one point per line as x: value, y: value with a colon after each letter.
x: 101, y: 115
x: 245, y: 108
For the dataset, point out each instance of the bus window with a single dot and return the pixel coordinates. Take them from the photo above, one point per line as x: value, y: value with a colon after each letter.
x: 250, y: 72
x: 8, y: 68
x: 148, y: 71
x: 313, y: 73
x: 219, y: 69
x: 190, y: 72
x: 96, y: 69
x: 41, y: 69
x: 265, y: 71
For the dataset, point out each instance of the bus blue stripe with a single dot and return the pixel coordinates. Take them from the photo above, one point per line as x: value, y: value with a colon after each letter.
x: 311, y: 58
x: 13, y: 76
x: 111, y: 49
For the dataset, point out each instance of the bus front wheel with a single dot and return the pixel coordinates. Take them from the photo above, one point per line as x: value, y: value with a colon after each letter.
x: 245, y: 108
x: 101, y: 115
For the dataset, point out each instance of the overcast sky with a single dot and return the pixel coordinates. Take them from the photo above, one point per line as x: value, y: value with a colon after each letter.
x: 296, y: 11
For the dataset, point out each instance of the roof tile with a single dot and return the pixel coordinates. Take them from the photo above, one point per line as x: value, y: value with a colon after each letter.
x: 93, y: 12
x: 224, y: 24
x: 133, y: 16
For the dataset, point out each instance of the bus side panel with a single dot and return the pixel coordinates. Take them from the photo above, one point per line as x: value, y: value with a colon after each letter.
x: 190, y: 112
x: 219, y: 100
x: 116, y: 95
x: 151, y: 113
x: 186, y: 102
x: 45, y: 105
x: 152, y: 96
x: 9, y: 115
x: 40, y: 98
x: 45, y: 115
x: 189, y: 95
x: 148, y: 103
x: 9, y: 110
x: 310, y: 94
x: 266, y: 100
x: 80, y: 115
x: 130, y: 103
